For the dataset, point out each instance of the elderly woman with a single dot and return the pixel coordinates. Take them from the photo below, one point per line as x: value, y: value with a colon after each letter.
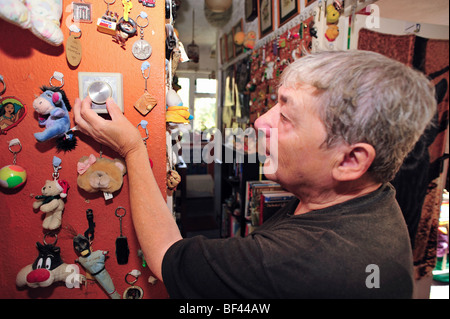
x: 344, y: 123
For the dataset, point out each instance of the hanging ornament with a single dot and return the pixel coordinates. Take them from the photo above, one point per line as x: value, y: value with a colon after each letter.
x: 12, y: 111
x: 13, y: 176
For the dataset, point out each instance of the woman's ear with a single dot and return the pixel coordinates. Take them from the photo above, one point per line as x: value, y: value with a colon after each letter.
x: 354, y: 162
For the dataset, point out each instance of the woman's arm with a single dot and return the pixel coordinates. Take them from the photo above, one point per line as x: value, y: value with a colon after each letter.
x: 155, y: 226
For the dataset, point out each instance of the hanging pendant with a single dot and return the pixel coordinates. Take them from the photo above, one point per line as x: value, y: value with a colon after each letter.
x: 142, y: 50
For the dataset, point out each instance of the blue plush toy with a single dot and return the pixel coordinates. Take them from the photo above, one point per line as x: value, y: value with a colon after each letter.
x: 53, y: 108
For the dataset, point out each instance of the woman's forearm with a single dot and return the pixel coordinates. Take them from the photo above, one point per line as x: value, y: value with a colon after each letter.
x: 155, y: 226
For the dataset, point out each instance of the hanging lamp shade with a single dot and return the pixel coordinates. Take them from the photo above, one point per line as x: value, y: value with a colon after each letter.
x: 193, y: 50
x: 218, y: 5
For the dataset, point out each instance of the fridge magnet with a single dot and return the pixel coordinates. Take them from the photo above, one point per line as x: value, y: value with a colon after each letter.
x: 12, y: 110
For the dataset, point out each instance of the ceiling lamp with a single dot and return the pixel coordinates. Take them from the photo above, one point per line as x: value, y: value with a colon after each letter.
x: 218, y: 5
x: 193, y: 50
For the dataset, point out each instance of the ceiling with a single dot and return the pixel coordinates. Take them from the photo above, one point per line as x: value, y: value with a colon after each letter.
x: 419, y: 11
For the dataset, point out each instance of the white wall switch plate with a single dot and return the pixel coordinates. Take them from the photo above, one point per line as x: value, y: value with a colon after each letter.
x: 114, y: 81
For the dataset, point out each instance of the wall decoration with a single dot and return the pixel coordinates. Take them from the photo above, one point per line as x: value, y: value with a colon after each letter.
x: 308, y: 2
x: 238, y: 28
x: 251, y: 10
x: 265, y: 9
x: 287, y: 9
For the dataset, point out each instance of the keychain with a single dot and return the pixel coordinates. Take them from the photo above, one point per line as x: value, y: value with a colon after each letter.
x: 122, y: 249
x: 133, y: 292
x: 146, y: 102
x: 53, y: 108
x: 51, y: 201
x: 142, y: 50
x: 82, y: 12
x: 108, y: 22
x: 12, y: 111
x: 13, y: 176
x: 47, y: 268
x: 94, y: 261
x: 73, y: 46
x: 126, y: 27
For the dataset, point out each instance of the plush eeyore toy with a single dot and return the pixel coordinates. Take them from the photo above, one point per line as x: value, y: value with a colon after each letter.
x: 53, y: 108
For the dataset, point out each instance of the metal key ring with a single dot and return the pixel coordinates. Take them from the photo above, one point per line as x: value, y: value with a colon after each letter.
x: 70, y: 32
x: 120, y: 208
x: 131, y: 282
x: 142, y: 26
x: 48, y: 234
x: 58, y: 87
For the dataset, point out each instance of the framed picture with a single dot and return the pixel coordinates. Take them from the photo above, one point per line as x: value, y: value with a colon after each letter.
x: 82, y: 12
x: 230, y: 45
x: 238, y: 49
x: 265, y: 13
x: 287, y: 9
x: 223, y: 49
x: 308, y: 2
x: 251, y: 10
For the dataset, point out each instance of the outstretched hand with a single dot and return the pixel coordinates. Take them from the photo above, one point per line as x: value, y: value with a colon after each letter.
x: 118, y: 133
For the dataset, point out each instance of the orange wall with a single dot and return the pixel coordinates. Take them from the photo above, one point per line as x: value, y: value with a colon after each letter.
x: 26, y: 64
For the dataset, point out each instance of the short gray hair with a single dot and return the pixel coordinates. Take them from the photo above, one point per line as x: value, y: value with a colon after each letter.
x: 366, y: 97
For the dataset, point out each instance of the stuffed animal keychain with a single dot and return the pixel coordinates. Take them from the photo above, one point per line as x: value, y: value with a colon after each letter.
x: 47, y: 268
x: 51, y: 201
x: 53, y: 108
x: 94, y: 261
x: 13, y: 176
x: 100, y: 174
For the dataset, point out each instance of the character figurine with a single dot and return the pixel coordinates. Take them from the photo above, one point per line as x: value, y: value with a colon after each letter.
x: 94, y: 263
x: 53, y: 108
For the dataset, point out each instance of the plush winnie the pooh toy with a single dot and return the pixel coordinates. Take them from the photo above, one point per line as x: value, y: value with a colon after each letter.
x: 100, y: 174
x: 51, y: 203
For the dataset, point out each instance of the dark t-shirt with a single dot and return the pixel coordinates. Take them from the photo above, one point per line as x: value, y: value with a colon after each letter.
x: 357, y: 249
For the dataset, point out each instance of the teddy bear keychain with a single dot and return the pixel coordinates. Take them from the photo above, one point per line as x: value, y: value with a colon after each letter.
x: 51, y: 201
x: 100, y: 174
